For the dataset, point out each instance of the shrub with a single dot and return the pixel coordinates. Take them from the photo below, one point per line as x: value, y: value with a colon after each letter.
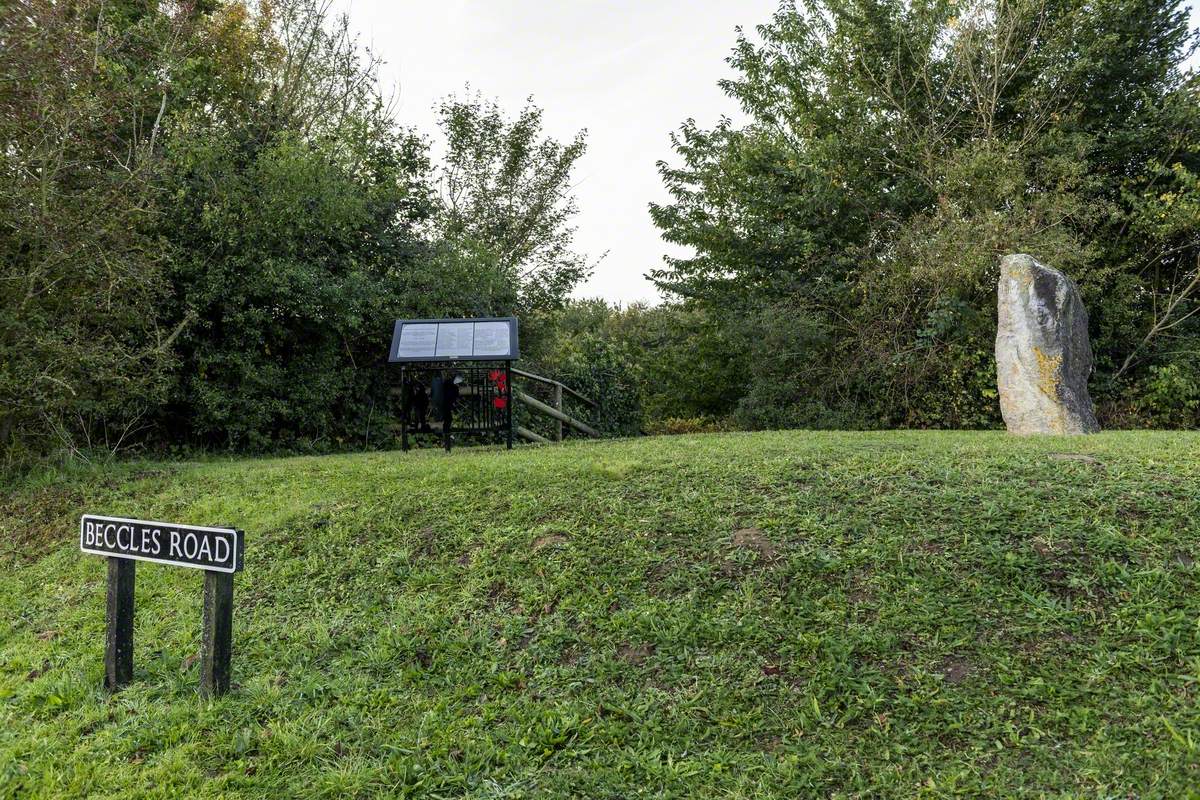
x: 606, y: 373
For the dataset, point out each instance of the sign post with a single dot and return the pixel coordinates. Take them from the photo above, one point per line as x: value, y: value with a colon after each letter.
x: 508, y: 405
x: 118, y: 640
x: 216, y: 642
x: 124, y: 542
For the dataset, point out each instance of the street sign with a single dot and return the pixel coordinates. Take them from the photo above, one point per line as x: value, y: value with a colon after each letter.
x: 215, y: 549
x: 125, y: 541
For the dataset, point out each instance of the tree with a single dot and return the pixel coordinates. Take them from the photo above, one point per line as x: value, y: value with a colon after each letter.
x: 506, y: 187
x: 211, y: 219
x: 296, y: 215
x: 83, y: 353
x: 894, y: 151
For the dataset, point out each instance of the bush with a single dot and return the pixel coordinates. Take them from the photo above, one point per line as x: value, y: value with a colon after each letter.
x: 606, y: 373
x: 891, y: 153
x: 1170, y: 395
x: 290, y: 255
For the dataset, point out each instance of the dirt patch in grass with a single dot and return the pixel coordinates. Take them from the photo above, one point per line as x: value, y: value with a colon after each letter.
x: 1045, y: 549
x: 858, y: 590
x: 771, y: 743
x: 550, y: 540
x: 38, y: 672
x: 1132, y: 515
x: 634, y: 654
x: 753, y: 539
x: 955, y: 670
x: 428, y: 541
x: 657, y: 574
x: 467, y: 556
x: 499, y: 595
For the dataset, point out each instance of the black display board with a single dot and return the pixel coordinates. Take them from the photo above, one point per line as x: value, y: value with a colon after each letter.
x: 441, y: 395
x: 448, y: 340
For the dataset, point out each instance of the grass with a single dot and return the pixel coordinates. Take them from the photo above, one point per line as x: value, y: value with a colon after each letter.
x: 739, y: 615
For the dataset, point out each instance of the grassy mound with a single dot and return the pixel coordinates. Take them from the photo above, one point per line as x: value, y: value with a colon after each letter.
x: 767, y: 615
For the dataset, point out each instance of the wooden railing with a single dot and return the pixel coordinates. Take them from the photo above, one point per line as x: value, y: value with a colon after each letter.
x: 555, y: 411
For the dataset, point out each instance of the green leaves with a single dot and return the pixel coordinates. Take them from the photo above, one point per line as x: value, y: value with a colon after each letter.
x: 506, y: 186
x: 212, y: 218
x: 894, y: 151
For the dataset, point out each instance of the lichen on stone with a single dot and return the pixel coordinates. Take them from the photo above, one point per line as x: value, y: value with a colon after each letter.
x: 1049, y: 372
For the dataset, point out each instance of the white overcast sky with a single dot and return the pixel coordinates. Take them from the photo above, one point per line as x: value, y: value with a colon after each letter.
x: 629, y: 71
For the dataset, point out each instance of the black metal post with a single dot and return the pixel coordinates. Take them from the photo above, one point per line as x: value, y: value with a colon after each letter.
x: 508, y: 400
x: 118, y: 642
x: 216, y: 639
x: 447, y: 408
x: 404, y: 409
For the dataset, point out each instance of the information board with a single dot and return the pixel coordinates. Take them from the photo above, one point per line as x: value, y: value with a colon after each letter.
x: 487, y: 339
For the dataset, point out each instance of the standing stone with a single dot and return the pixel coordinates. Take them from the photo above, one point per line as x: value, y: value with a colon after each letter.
x: 1043, y: 356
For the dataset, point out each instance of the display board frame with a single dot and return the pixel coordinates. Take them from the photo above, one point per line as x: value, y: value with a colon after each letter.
x: 451, y: 340
x: 482, y: 407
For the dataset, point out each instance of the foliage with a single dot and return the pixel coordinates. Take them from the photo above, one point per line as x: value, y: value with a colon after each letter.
x: 895, y: 151
x: 293, y: 227
x: 768, y: 615
x: 212, y: 218
x: 83, y: 355
x: 675, y: 426
x: 682, y: 363
x: 506, y: 185
x: 1170, y: 395
x: 288, y: 269
x: 607, y: 374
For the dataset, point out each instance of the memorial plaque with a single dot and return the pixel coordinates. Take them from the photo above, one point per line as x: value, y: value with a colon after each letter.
x: 213, y: 549
x: 492, y: 339
x: 455, y: 340
x: 487, y: 339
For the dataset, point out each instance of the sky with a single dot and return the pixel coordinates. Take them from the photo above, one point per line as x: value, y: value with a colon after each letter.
x: 629, y: 71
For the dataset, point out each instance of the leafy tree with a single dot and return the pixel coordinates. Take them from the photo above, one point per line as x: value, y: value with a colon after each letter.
x: 506, y: 187
x: 894, y: 151
x: 83, y: 353
x: 211, y: 218
x: 675, y: 362
x: 295, y: 220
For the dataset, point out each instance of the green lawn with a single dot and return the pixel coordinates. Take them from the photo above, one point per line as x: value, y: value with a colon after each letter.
x: 743, y: 615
